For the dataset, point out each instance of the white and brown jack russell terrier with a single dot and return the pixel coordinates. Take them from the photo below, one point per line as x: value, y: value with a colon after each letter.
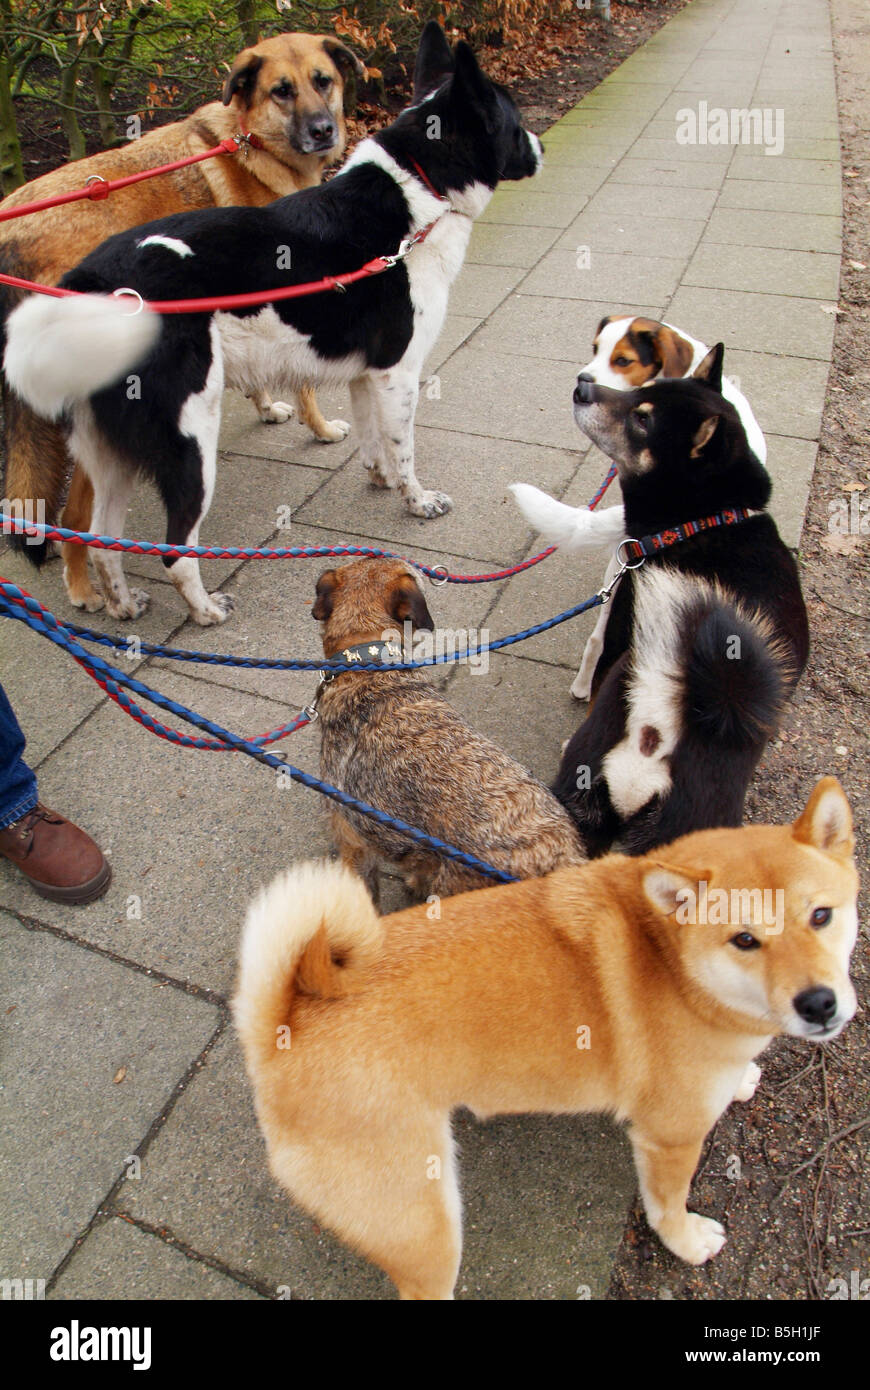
x: 627, y: 352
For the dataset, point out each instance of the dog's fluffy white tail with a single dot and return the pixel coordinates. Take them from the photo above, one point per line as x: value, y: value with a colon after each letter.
x: 314, y: 925
x: 570, y: 528
x: 59, y: 351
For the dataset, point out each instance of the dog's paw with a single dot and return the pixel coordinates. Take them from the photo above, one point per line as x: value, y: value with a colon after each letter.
x: 86, y: 597
x: 132, y: 606
x: 698, y: 1239
x: 276, y: 413
x: 216, y: 610
x: 334, y: 431
x: 748, y: 1086
x: 430, y: 504
x: 377, y: 474
x: 581, y: 688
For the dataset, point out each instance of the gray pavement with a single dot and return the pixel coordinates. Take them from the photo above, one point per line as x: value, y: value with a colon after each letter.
x: 118, y: 1046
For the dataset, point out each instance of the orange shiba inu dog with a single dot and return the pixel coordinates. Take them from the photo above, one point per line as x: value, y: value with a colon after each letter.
x: 682, y: 964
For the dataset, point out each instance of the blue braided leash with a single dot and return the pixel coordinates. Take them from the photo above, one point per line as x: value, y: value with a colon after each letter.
x: 29, y: 611
x: 278, y: 664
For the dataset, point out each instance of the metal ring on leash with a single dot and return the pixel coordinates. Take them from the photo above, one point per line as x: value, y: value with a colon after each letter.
x: 119, y: 294
x: 439, y: 575
x: 629, y: 540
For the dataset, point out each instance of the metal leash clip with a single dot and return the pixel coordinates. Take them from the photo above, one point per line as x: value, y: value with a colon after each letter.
x: 326, y: 678
x: 406, y: 246
x: 624, y: 567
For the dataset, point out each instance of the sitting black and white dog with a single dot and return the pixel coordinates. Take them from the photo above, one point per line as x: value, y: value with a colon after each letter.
x: 704, y: 644
x: 627, y: 352
x: 439, y: 162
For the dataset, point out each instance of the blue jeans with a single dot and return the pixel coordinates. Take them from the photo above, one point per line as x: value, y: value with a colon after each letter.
x: 17, y: 782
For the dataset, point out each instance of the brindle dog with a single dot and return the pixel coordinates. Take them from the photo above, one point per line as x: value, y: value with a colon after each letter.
x: 389, y: 738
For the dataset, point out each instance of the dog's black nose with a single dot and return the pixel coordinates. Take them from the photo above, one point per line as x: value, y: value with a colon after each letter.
x: 322, y: 132
x: 584, y: 391
x: 816, y: 1005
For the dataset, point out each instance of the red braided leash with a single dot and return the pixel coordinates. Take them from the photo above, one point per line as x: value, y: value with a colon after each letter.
x: 100, y: 188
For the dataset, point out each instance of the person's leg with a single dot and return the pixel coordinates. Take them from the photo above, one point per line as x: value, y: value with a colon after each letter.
x: 17, y: 782
x: 59, y: 860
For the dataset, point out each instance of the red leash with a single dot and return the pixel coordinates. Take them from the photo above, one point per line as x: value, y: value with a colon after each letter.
x: 100, y: 188
x: 238, y: 301
x: 228, y: 301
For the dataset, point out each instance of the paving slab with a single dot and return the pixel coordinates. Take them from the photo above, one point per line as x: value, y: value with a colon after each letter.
x: 519, y: 207
x: 536, y: 411
x: 608, y: 232
x: 497, y: 245
x: 244, y: 433
x: 756, y: 322
x: 473, y: 469
x: 481, y: 288
x: 120, y: 1261
x: 667, y: 172
x: 491, y: 701
x: 794, y: 231
x: 581, y: 273
x: 533, y: 326
x: 800, y: 148
x: 803, y: 274
x: 787, y: 393
x: 92, y: 1053
x: 825, y: 172
x: 190, y: 835
x: 768, y: 195
x: 627, y: 200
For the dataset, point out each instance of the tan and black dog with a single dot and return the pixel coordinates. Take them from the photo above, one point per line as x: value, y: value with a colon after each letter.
x: 681, y: 965
x: 288, y: 92
x: 389, y: 738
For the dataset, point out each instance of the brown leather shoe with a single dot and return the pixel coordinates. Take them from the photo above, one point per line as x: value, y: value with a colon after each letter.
x: 61, y: 861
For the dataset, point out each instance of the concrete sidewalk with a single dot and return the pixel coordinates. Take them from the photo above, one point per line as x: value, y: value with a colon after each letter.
x: 131, y: 1164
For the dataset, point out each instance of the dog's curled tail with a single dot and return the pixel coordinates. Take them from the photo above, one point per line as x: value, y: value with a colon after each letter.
x: 738, y: 678
x: 60, y: 351
x: 310, y: 932
x: 570, y: 528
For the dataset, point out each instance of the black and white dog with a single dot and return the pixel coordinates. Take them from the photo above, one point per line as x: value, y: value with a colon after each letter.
x: 439, y: 162
x: 704, y: 645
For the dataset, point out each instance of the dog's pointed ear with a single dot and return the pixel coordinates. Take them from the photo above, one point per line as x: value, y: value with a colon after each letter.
x: 826, y: 820
x: 347, y: 63
x: 470, y: 81
x: 407, y: 602
x: 703, y: 435
x: 676, y: 353
x: 434, y: 60
x: 676, y: 892
x: 242, y: 78
x: 325, y: 591
x: 709, y: 369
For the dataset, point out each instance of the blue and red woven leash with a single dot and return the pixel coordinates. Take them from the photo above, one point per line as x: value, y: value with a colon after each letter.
x: 438, y: 573
x: 17, y: 603
x: 115, y: 684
